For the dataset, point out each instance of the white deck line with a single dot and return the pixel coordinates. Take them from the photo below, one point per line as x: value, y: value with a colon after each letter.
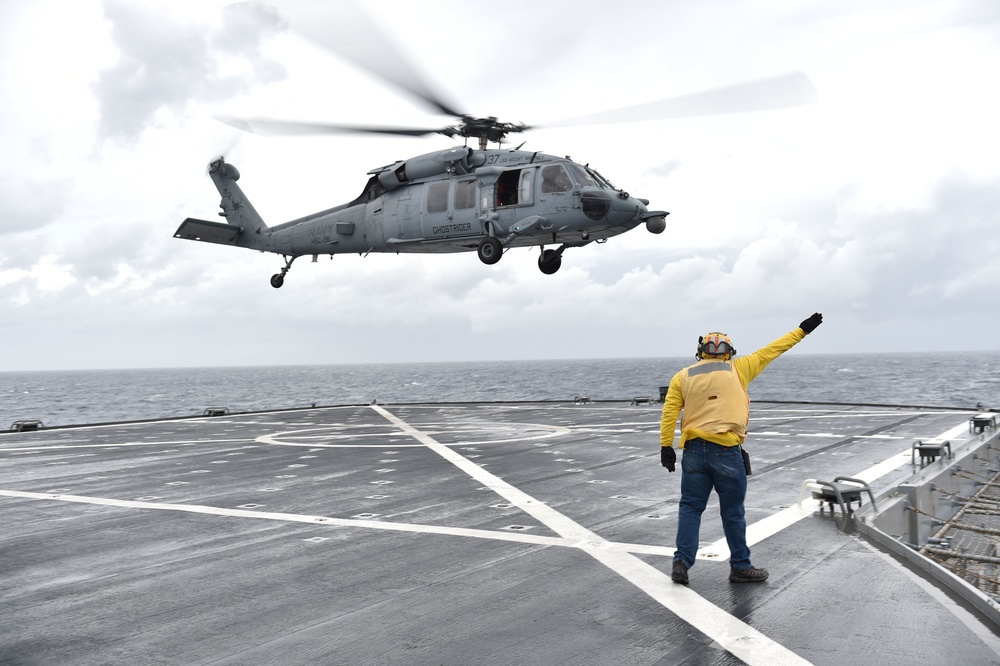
x: 295, y: 518
x: 735, y: 636
x: 773, y: 524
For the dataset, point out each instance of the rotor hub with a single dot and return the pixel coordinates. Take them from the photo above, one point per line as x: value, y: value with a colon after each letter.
x: 484, y: 129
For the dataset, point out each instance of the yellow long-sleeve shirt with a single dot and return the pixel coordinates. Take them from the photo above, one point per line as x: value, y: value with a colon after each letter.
x: 746, y: 367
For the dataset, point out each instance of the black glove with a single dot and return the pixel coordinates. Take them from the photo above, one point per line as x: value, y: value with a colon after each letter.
x: 809, y: 325
x: 668, y: 457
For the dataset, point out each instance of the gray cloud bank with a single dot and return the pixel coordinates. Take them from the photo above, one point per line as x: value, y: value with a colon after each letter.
x: 892, y: 280
x: 165, y: 64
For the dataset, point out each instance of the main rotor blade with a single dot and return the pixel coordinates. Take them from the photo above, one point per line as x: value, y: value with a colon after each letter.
x: 354, y: 36
x: 787, y: 90
x: 268, y: 127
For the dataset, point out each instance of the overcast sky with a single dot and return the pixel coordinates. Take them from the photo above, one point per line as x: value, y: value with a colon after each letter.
x: 877, y: 206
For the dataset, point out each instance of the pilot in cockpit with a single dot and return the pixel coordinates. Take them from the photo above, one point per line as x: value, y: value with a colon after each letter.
x: 554, y: 179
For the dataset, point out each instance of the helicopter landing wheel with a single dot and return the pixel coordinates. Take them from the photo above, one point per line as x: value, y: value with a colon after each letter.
x: 490, y: 250
x: 278, y: 279
x: 550, y: 261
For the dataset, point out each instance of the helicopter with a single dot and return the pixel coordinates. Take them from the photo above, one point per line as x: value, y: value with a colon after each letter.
x: 464, y: 198
x: 454, y: 200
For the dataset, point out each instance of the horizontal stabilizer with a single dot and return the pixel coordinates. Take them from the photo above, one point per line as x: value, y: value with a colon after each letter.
x: 208, y: 232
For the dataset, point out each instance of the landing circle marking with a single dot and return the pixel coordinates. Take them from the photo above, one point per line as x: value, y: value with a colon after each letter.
x: 318, y: 437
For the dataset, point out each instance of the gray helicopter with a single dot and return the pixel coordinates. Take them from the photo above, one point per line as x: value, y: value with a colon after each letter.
x: 463, y: 198
x: 453, y: 200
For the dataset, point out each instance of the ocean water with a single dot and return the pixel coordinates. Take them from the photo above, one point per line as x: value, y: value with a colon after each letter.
x: 958, y: 380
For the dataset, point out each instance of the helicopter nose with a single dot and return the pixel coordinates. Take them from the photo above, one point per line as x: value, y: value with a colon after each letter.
x: 596, y: 203
x: 625, y: 207
x: 624, y: 200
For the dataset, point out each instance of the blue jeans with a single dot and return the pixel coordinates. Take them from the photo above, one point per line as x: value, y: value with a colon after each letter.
x: 706, y: 466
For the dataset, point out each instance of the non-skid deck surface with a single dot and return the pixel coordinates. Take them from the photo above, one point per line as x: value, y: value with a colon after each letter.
x: 487, y: 534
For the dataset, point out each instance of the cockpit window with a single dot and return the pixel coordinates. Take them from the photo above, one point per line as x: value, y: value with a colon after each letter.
x: 554, y: 179
x: 581, y: 176
x: 601, y: 180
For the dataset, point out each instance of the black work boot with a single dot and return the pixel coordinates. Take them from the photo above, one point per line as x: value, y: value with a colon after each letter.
x: 679, y: 574
x: 751, y: 575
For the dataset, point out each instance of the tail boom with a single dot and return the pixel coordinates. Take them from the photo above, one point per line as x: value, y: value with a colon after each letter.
x: 243, y: 227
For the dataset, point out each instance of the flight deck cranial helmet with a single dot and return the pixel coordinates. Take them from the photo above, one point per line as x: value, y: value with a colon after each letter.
x: 715, y: 345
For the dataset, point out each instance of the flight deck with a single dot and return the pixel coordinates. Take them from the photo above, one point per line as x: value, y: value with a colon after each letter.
x: 487, y: 534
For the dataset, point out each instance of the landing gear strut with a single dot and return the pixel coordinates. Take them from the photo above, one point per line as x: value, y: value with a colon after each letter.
x: 551, y: 260
x: 278, y: 279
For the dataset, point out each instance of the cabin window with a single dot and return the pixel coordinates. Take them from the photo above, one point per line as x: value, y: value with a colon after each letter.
x: 437, y: 197
x: 555, y: 179
x: 527, y: 181
x: 465, y: 194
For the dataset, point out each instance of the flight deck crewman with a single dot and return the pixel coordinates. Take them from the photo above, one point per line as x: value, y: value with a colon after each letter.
x: 711, y: 399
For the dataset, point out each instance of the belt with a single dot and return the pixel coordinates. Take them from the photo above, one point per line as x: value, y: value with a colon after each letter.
x: 700, y: 440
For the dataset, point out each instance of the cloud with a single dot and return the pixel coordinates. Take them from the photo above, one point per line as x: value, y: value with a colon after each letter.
x: 165, y: 63
x: 930, y: 262
x: 903, y: 278
x: 664, y: 170
x: 48, y: 276
x: 875, y: 206
x: 30, y: 203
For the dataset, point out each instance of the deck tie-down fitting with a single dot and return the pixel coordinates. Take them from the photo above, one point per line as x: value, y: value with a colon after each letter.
x: 843, y: 490
x: 929, y: 450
